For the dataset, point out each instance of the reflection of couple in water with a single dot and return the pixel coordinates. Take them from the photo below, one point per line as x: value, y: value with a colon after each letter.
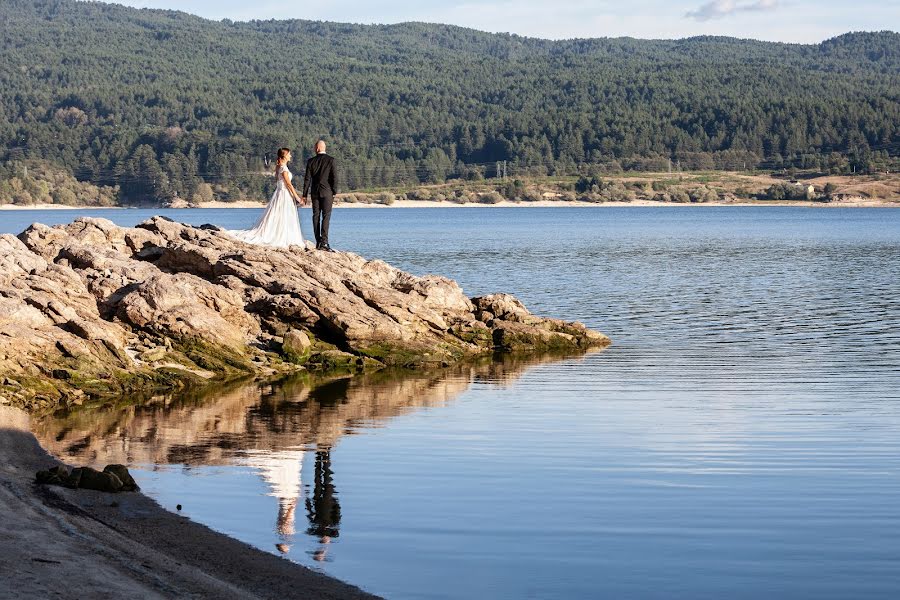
x: 282, y: 472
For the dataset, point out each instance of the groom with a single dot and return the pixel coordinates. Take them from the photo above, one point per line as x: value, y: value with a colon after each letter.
x: 320, y: 178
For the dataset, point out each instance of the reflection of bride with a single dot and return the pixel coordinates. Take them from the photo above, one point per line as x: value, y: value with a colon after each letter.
x: 281, y: 471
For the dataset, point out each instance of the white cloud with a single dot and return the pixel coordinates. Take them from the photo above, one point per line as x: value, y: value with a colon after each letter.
x: 717, y: 9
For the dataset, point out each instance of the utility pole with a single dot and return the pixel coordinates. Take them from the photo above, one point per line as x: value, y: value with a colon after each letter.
x: 504, y: 170
x: 670, y: 166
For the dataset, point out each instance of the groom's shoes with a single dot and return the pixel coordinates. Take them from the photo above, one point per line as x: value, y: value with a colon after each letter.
x: 327, y: 248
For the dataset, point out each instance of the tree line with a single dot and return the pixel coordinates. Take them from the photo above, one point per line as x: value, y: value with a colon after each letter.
x: 160, y: 104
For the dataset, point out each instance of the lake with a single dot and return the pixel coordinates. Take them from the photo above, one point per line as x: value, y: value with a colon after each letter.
x: 740, y: 439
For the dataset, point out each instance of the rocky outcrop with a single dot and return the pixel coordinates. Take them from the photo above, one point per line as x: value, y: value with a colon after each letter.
x: 91, y: 307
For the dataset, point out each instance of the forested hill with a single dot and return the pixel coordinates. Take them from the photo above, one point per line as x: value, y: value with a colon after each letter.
x: 161, y: 102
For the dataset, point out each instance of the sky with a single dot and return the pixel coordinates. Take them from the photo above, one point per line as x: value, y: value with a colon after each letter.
x: 802, y: 21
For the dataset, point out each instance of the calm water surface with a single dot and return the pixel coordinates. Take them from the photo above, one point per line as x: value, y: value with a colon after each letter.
x: 741, y: 438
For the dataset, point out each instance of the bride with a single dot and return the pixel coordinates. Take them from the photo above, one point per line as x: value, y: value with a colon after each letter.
x: 279, y: 225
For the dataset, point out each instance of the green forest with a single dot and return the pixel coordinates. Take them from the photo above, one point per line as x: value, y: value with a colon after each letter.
x: 104, y: 104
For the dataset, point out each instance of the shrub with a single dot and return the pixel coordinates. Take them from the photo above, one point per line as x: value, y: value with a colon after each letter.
x: 490, y: 198
x: 785, y: 191
x: 637, y: 186
x: 742, y: 192
x: 681, y: 196
x: 204, y: 193
x: 64, y: 196
x: 617, y: 193
x: 703, y: 194
x: 385, y: 198
x: 588, y: 184
x: 532, y: 195
x: 22, y: 197
x: 472, y: 173
x: 512, y: 190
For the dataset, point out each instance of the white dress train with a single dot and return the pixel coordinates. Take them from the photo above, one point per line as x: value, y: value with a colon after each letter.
x: 279, y: 225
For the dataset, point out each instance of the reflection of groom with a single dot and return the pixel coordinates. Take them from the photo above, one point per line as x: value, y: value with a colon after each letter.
x: 320, y: 179
x: 323, y: 509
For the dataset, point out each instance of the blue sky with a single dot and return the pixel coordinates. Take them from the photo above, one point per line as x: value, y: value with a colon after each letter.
x: 806, y: 21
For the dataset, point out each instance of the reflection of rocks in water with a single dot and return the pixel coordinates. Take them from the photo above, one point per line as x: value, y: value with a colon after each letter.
x: 221, y: 423
x: 266, y: 426
x: 505, y: 369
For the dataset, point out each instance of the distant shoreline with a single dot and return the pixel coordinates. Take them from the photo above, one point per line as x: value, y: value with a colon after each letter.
x: 860, y: 203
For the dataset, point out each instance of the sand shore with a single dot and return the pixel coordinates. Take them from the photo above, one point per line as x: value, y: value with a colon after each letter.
x: 637, y: 203
x: 61, y: 543
x: 858, y: 203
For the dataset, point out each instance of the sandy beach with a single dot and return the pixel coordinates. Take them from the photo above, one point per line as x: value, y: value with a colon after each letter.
x: 855, y: 203
x: 54, y: 541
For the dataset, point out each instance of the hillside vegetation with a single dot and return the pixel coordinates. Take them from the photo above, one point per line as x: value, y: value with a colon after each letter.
x: 159, y: 104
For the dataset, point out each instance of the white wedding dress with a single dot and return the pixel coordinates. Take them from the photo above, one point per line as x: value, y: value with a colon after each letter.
x: 279, y: 225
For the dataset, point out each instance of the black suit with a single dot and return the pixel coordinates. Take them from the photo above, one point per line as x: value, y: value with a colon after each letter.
x: 320, y: 179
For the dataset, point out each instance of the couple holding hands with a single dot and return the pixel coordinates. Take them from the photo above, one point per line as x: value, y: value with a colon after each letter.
x: 279, y: 225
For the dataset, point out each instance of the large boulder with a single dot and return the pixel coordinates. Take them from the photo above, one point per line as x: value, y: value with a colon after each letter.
x: 184, y: 306
x: 296, y: 345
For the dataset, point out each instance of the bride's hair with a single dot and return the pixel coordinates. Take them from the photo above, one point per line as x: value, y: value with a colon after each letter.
x: 282, y: 153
